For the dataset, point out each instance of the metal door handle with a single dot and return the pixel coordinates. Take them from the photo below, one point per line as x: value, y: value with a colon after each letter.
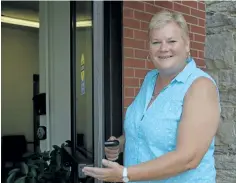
x: 80, y: 167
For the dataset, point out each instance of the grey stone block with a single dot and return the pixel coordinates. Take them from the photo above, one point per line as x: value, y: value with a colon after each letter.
x: 226, y: 176
x: 227, y: 132
x: 220, y: 48
x: 219, y: 30
x: 225, y: 162
x: 220, y: 6
x: 225, y: 76
x: 220, y: 56
x: 228, y: 113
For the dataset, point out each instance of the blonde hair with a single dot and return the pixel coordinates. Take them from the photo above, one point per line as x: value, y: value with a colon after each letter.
x: 163, y: 17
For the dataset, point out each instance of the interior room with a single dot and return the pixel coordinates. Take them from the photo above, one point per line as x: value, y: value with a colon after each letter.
x: 20, y: 78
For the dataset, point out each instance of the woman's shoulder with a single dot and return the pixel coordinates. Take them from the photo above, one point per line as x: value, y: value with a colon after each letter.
x: 199, y: 73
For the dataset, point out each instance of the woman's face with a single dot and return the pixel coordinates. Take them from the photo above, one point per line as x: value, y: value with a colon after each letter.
x: 168, y: 48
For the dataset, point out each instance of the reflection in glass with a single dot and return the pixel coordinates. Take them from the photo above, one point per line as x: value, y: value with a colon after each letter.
x: 84, y: 87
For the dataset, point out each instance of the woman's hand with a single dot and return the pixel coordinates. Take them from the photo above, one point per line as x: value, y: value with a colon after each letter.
x: 112, y: 153
x: 112, y: 172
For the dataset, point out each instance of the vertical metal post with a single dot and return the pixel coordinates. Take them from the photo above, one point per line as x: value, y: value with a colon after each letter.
x: 73, y: 85
x: 98, y: 80
x: 35, y: 117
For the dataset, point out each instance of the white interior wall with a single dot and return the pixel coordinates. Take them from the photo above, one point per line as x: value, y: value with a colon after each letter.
x: 20, y: 60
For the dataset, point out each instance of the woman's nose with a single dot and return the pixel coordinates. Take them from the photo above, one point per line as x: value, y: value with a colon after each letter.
x: 164, y: 47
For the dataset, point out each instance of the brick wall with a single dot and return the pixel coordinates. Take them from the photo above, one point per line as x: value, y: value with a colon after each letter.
x: 136, y: 16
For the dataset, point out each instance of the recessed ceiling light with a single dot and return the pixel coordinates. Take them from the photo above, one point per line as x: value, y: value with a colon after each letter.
x: 27, y: 23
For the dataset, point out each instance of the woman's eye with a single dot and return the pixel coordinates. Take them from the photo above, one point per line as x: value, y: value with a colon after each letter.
x: 172, y: 41
x: 156, y: 42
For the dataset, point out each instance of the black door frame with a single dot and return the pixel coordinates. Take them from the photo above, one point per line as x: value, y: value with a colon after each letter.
x: 112, y: 83
x: 74, y: 168
x: 113, y: 68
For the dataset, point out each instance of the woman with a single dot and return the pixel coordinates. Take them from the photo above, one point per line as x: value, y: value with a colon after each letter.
x: 169, y: 128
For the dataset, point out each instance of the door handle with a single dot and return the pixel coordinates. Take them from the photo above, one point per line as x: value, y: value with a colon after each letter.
x: 79, y: 159
x: 80, y: 168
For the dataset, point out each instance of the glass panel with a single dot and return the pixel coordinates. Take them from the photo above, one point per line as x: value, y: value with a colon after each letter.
x: 84, y: 79
x: 20, y: 80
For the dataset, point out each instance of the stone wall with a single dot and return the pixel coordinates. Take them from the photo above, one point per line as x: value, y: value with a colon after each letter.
x: 220, y: 57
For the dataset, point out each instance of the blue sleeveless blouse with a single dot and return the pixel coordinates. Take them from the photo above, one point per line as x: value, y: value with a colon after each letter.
x: 152, y: 133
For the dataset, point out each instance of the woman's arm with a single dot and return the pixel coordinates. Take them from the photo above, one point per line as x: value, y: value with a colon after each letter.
x: 198, y: 126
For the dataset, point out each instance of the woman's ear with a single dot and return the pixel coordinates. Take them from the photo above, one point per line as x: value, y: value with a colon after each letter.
x: 187, y: 45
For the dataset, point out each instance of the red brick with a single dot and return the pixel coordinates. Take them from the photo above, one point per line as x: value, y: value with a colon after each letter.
x: 164, y: 4
x: 131, y: 82
x: 142, y: 35
x: 198, y: 13
x: 191, y: 19
x: 151, y: 9
x: 131, y: 23
x: 189, y: 26
x: 136, y: 91
x: 149, y: 2
x: 194, y: 53
x: 199, y: 38
x: 192, y: 4
x: 201, y: 6
x: 141, y: 54
x: 134, y: 63
x: 128, y: 13
x: 134, y: 5
x: 129, y: 92
x: 140, y: 73
x: 201, y: 54
x: 128, y: 32
x: 128, y: 72
x: 202, y: 22
x: 127, y: 101
x: 144, y: 26
x: 191, y: 36
x: 128, y: 52
x: 134, y: 43
x: 197, y: 29
x: 136, y: 17
x: 142, y: 16
x: 181, y: 8
x: 149, y: 65
x: 147, y: 44
x: 197, y: 46
x: 141, y: 81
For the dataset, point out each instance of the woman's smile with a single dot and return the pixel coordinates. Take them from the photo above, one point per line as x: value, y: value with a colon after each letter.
x: 164, y: 57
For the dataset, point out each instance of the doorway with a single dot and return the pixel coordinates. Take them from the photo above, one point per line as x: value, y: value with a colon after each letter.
x: 96, y: 81
x: 80, y: 73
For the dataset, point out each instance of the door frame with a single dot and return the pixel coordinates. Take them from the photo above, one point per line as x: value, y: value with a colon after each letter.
x: 113, y: 69
x: 55, y: 74
x: 98, y: 82
x: 56, y: 20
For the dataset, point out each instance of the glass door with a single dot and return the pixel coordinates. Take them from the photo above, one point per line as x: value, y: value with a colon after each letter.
x: 96, y: 81
x: 84, y: 78
x: 84, y: 85
x: 87, y: 95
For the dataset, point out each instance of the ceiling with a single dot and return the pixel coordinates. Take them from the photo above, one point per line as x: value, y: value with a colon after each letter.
x: 29, y: 10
